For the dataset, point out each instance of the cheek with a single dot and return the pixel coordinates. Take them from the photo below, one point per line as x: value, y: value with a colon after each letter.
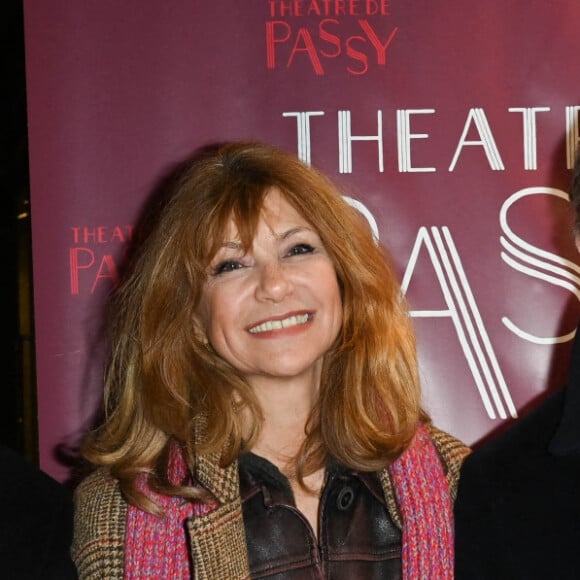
x: 339, y: 308
x: 217, y: 312
x: 332, y: 296
x: 206, y: 311
x: 332, y: 289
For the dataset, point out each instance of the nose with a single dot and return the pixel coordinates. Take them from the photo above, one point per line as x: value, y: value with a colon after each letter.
x: 274, y: 283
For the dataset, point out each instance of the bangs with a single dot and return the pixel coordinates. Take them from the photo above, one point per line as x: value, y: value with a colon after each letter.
x: 240, y: 206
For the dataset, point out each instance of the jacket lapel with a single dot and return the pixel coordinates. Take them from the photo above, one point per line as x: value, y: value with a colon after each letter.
x: 218, y: 544
x: 218, y: 538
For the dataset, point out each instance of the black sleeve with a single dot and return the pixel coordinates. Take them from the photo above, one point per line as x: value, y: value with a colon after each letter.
x: 477, y: 554
x: 36, y: 522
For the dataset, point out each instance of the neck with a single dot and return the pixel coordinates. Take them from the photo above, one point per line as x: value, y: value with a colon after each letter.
x: 286, y: 406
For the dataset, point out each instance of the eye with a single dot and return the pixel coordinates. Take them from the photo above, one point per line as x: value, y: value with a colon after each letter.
x: 300, y: 249
x: 227, y: 266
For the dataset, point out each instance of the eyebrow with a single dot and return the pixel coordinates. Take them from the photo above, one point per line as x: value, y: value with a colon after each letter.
x: 293, y: 231
x: 232, y: 245
x: 297, y: 230
x: 235, y: 245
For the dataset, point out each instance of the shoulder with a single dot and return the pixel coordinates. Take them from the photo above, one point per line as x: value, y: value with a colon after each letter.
x: 514, y: 466
x: 99, y: 526
x: 509, y: 488
x: 525, y: 443
x: 452, y: 453
x: 36, y: 527
x: 21, y: 479
x: 448, y: 454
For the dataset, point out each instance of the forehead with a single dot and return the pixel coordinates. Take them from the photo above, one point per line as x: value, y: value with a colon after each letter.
x: 276, y: 215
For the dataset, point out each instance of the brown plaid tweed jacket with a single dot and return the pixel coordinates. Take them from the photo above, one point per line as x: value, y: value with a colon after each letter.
x: 218, y: 547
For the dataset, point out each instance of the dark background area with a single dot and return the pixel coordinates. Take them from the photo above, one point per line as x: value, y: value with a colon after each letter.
x: 18, y: 420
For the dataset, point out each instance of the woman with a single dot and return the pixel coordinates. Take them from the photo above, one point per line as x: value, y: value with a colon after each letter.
x: 263, y: 397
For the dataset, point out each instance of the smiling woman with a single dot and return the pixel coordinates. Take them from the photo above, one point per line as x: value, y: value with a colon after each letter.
x: 263, y: 401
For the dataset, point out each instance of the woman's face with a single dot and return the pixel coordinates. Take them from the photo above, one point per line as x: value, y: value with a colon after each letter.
x: 275, y: 311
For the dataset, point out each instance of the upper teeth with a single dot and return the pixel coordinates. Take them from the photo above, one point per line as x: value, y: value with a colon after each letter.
x: 278, y: 324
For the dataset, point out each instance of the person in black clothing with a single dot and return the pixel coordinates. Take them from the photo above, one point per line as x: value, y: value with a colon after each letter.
x: 517, y: 513
x: 35, y: 523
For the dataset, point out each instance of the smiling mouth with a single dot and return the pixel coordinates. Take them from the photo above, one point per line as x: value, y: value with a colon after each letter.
x: 270, y: 325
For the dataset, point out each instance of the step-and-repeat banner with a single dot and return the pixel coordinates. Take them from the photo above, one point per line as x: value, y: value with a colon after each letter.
x: 453, y: 125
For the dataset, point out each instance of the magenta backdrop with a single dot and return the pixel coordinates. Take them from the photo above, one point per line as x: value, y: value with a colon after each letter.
x: 454, y: 127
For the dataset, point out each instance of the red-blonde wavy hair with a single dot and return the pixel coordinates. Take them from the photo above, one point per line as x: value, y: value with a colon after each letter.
x: 162, y: 378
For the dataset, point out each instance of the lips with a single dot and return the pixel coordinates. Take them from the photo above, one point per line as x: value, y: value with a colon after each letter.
x: 279, y: 324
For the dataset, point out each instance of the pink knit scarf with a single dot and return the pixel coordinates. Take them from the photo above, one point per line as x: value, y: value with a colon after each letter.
x: 158, y: 547
x: 426, y: 509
